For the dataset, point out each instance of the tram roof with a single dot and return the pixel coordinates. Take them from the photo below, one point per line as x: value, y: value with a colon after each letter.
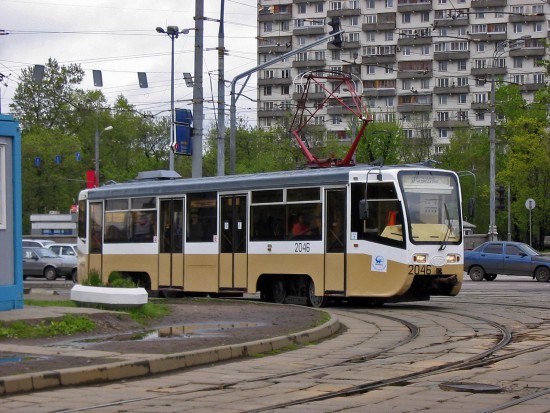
x: 266, y: 180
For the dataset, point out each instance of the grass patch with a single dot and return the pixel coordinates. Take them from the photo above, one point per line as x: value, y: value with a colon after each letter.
x: 49, y: 303
x: 68, y: 325
x: 148, y: 311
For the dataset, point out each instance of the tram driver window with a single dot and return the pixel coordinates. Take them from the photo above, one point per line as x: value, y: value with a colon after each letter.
x: 383, y: 222
x: 201, y: 217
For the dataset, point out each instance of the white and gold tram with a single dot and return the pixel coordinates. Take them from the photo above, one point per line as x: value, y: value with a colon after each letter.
x: 389, y: 233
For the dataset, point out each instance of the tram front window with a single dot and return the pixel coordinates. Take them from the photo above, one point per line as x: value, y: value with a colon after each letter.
x: 431, y: 203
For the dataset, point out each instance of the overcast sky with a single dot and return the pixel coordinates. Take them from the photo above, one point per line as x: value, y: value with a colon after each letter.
x: 119, y: 38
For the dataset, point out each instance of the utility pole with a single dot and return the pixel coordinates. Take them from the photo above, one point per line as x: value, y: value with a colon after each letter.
x: 198, y: 100
x: 221, y: 96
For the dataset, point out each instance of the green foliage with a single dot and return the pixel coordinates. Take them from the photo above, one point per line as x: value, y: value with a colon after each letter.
x: 149, y: 311
x: 69, y: 324
x: 51, y: 303
x: 94, y: 279
x: 117, y: 280
x: 381, y: 141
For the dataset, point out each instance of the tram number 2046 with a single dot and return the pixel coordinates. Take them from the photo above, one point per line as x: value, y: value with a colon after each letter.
x: 302, y: 247
x: 420, y: 269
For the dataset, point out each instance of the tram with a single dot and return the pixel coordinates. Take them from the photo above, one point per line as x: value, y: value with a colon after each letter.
x: 389, y: 233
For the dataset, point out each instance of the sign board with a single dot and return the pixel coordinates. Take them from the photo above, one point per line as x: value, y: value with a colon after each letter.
x: 530, y: 204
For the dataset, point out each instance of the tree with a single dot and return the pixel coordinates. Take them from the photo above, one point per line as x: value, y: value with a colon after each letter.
x: 381, y: 141
x: 50, y: 103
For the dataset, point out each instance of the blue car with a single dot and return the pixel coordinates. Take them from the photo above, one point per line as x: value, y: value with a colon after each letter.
x: 506, y: 258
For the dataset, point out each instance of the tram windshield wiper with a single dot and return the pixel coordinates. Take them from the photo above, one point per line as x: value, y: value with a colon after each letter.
x: 449, y: 229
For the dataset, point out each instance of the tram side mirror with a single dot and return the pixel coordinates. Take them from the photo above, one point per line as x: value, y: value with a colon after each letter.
x: 363, y: 209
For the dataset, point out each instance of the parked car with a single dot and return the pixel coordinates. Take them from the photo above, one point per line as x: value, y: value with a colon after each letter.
x: 507, y: 258
x: 69, y: 254
x: 43, y: 262
x: 40, y: 243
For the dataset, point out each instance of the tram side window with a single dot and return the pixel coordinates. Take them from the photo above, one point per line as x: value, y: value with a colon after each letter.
x: 144, y: 219
x: 304, y: 221
x: 96, y: 227
x: 384, y: 220
x: 201, y: 217
x: 82, y: 219
x: 267, y: 223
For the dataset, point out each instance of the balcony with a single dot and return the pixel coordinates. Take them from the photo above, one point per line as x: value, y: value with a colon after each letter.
x: 377, y: 93
x: 345, y: 45
x: 414, y: 40
x: 418, y: 74
x: 273, y: 113
x: 451, y: 90
x: 532, y: 87
x: 309, y: 30
x: 528, y: 51
x: 414, y: 107
x: 489, y: 36
x: 384, y: 21
x: 462, y: 55
x: 488, y: 71
x: 488, y: 3
x: 451, y: 123
x: 311, y: 96
x: 344, y: 12
x: 378, y: 59
x: 270, y: 17
x: 274, y: 48
x: 309, y: 63
x: 450, y: 22
x: 275, y: 81
x: 413, y: 5
x: 337, y: 110
x: 526, y: 18
x: 481, y: 106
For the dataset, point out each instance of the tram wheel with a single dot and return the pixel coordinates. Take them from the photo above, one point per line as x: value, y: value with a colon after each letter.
x: 313, y: 300
x: 278, y: 291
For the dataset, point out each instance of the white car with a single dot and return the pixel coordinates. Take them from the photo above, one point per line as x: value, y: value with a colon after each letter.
x: 69, y: 254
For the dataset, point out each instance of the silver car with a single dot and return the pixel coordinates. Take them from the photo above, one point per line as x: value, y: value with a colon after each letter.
x: 69, y: 254
x: 43, y: 262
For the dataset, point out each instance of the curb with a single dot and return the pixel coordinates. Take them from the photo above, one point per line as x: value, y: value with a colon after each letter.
x: 160, y: 364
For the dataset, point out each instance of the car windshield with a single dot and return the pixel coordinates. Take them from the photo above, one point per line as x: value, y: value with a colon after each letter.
x: 45, y: 253
x: 529, y: 250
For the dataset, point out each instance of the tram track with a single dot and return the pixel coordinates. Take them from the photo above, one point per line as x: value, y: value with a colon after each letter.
x: 502, y: 337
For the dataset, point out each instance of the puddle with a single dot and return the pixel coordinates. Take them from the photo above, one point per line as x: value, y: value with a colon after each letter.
x: 171, y: 332
x: 10, y: 359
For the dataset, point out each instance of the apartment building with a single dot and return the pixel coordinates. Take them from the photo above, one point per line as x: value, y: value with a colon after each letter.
x: 428, y: 64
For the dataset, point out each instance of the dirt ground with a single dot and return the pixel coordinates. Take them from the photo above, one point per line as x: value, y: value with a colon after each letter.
x: 191, y: 324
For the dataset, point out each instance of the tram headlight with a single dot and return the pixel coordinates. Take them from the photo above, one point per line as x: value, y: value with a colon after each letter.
x: 453, y: 258
x: 420, y: 258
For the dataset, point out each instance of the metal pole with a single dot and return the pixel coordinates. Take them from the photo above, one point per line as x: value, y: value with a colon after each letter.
x: 492, y: 152
x: 172, y: 137
x: 509, y: 214
x: 221, y: 96
x: 196, y: 169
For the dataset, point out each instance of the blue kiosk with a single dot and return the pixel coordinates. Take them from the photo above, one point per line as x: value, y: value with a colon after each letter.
x: 11, y: 267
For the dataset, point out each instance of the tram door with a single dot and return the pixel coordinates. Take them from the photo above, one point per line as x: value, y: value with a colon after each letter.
x: 171, y: 230
x: 233, y: 259
x: 96, y: 238
x: 335, y: 238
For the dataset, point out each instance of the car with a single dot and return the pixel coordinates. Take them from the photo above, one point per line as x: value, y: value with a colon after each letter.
x: 40, y: 243
x: 69, y: 254
x: 38, y: 262
x: 507, y: 258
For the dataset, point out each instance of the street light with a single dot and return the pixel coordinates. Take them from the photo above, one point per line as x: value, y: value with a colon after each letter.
x: 97, y: 136
x: 500, y: 48
x: 172, y: 32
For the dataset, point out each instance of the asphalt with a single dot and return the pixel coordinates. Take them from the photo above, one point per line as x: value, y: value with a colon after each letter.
x: 125, y: 365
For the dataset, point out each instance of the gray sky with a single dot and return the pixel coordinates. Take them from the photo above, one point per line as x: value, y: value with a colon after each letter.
x: 119, y: 38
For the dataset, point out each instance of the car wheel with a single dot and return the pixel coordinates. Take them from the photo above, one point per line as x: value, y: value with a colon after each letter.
x: 542, y: 274
x: 74, y: 276
x: 476, y: 273
x: 50, y: 273
x: 490, y: 277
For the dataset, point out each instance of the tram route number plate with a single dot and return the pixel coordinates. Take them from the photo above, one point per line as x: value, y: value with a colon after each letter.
x: 420, y: 269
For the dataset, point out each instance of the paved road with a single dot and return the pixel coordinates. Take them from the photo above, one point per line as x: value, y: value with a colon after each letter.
x: 492, y: 341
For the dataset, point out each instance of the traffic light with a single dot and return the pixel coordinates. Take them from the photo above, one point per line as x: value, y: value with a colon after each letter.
x: 337, y: 39
x: 500, y: 198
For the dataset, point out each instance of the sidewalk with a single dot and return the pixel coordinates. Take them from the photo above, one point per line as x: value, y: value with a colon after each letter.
x: 93, y: 366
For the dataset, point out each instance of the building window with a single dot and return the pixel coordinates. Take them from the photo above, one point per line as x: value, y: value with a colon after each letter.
x: 371, y: 36
x: 518, y: 62
x: 371, y: 70
x: 3, y: 188
x: 538, y: 78
x: 462, y: 81
x: 389, y: 4
x: 406, y: 17
x: 285, y: 90
x: 389, y: 101
x: 518, y: 79
x: 319, y: 7
x: 406, y: 84
x: 461, y: 65
x: 424, y: 83
x: 425, y: 49
x: 425, y: 17
x: 406, y: 51
x: 302, y: 8
x: 370, y: 18
x: 462, y: 98
x: 480, y: 116
x: 443, y: 66
x: 267, y: 90
x: 518, y: 28
x: 389, y: 36
x: 370, y: 4
x: 268, y: 27
x: 285, y: 26
x: 443, y: 133
x: 480, y: 47
x: 443, y: 99
x: 537, y: 27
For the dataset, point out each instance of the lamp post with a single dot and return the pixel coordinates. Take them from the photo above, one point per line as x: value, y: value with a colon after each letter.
x: 97, y: 136
x: 172, y: 32
x: 500, y: 48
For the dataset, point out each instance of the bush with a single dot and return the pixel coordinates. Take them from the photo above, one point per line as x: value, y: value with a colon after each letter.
x: 94, y: 279
x: 116, y: 279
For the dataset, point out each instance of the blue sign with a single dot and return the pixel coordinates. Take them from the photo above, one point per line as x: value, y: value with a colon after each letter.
x: 57, y: 159
x: 37, y: 161
x: 184, y: 131
x: 77, y: 156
